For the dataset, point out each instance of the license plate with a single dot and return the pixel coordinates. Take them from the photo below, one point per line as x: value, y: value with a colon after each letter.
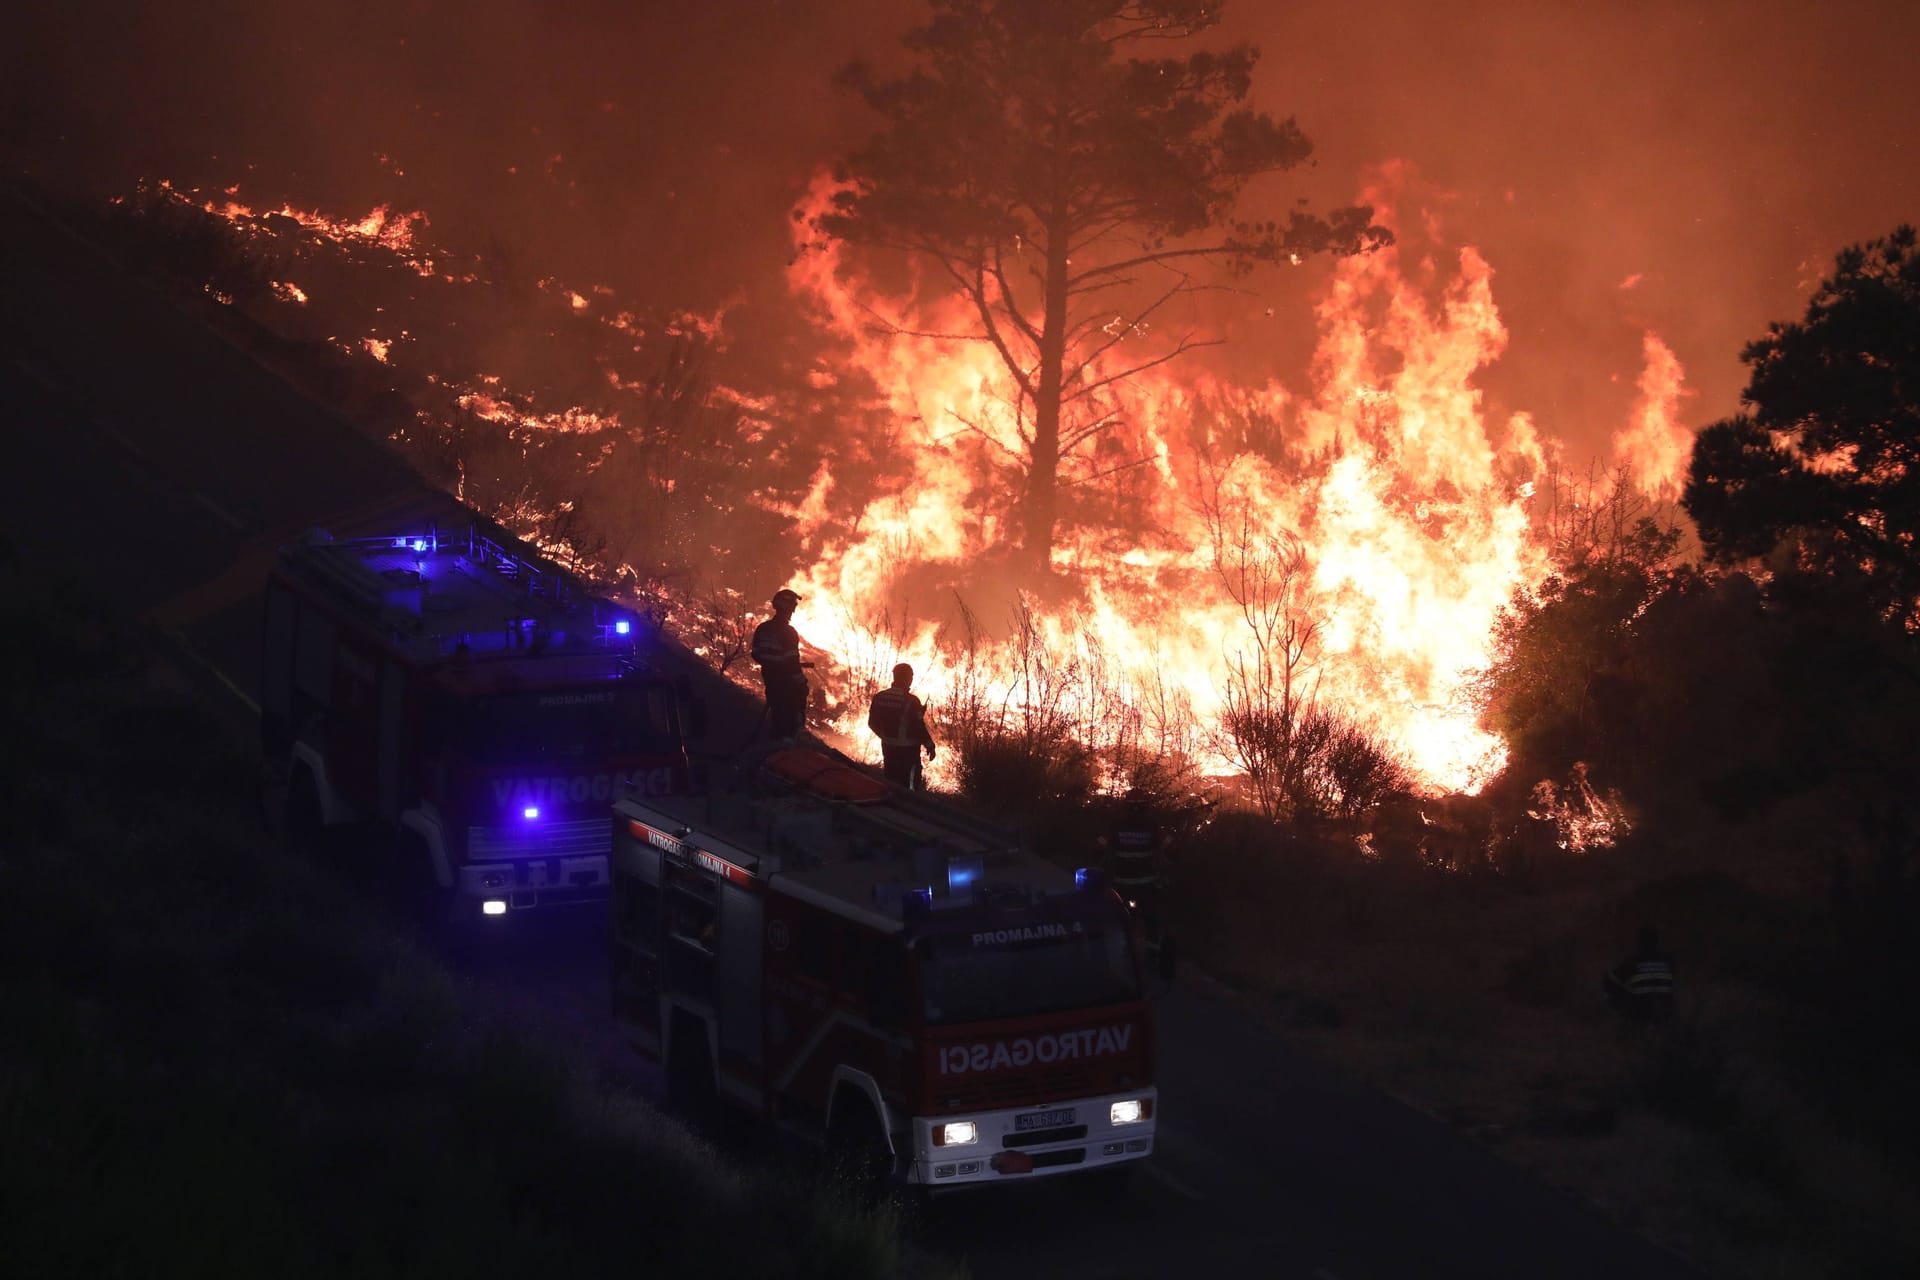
x: 1043, y: 1120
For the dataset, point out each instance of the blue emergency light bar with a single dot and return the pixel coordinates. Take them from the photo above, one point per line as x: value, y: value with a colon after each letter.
x: 1092, y: 879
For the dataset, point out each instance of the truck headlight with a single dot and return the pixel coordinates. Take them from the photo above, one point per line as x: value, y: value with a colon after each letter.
x: 1130, y: 1111
x: 957, y: 1133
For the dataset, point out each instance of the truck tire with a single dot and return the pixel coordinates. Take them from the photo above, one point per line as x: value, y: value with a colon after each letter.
x: 858, y: 1159
x: 690, y: 1085
x: 417, y: 888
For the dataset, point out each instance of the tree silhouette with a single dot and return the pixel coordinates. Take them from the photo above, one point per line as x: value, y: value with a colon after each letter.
x: 1068, y: 191
x: 1826, y: 464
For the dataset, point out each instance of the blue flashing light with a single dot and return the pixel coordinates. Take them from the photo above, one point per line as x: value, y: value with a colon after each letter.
x: 622, y: 627
x: 962, y: 873
x: 531, y: 812
x: 1080, y: 878
x: 419, y: 544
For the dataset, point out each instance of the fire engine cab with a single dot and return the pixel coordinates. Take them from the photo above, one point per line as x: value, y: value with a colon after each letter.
x: 873, y: 968
x: 472, y: 698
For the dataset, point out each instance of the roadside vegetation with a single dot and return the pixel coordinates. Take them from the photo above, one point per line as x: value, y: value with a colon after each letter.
x: 219, y: 1062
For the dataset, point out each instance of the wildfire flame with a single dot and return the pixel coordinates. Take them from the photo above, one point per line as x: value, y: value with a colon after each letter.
x: 1410, y: 505
x: 1404, y: 505
x: 1655, y: 446
x: 380, y: 229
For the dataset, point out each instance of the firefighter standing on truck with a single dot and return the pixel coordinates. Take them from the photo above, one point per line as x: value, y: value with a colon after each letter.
x: 900, y: 721
x: 776, y: 647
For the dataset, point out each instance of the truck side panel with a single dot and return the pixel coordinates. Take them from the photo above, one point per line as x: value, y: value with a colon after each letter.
x: 737, y: 993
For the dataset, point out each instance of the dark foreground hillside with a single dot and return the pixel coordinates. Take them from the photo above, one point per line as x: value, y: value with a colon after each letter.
x: 218, y: 1062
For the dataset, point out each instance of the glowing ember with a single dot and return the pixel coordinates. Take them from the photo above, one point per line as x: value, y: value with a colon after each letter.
x: 1582, y: 818
x: 380, y: 228
x: 497, y: 408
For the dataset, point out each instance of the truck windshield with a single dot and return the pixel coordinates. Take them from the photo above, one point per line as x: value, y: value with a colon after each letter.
x: 590, y: 723
x: 1007, y: 974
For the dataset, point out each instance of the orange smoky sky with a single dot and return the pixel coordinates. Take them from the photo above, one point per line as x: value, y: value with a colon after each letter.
x: 1685, y: 168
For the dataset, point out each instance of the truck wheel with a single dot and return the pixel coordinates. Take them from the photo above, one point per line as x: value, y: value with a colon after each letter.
x: 857, y: 1155
x: 690, y: 1087
x: 421, y: 895
x: 305, y: 826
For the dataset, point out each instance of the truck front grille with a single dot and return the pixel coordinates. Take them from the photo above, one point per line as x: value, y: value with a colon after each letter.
x: 588, y: 837
x: 1016, y: 1090
x: 1041, y: 1137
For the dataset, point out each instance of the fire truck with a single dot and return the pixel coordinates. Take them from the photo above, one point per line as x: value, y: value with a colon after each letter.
x: 876, y: 970
x: 470, y: 698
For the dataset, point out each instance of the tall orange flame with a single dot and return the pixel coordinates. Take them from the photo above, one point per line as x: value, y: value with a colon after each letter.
x: 1655, y: 446
x: 1409, y: 504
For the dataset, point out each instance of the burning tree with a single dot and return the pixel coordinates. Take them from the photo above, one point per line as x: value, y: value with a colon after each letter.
x: 1069, y: 193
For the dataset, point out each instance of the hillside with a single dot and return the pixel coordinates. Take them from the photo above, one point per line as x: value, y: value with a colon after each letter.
x: 221, y: 1061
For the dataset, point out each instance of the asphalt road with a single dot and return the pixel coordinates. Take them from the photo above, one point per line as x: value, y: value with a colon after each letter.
x: 150, y: 462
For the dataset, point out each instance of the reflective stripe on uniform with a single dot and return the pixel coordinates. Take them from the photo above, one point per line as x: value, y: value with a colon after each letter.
x: 897, y: 707
x: 1651, y: 978
x: 775, y: 643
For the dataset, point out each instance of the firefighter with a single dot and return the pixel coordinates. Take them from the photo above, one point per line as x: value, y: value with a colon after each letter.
x: 900, y: 722
x: 776, y: 647
x: 1640, y: 987
x: 1133, y: 848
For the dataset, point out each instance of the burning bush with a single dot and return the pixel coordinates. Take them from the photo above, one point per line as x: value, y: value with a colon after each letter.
x: 1308, y: 763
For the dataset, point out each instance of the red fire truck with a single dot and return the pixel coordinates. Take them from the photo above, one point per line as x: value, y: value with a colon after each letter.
x: 872, y: 968
x: 470, y: 697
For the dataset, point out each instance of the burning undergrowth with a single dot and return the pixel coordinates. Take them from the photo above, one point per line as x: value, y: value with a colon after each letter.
x: 1291, y: 586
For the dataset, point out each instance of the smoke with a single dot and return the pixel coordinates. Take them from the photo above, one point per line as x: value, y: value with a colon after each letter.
x: 1715, y: 154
